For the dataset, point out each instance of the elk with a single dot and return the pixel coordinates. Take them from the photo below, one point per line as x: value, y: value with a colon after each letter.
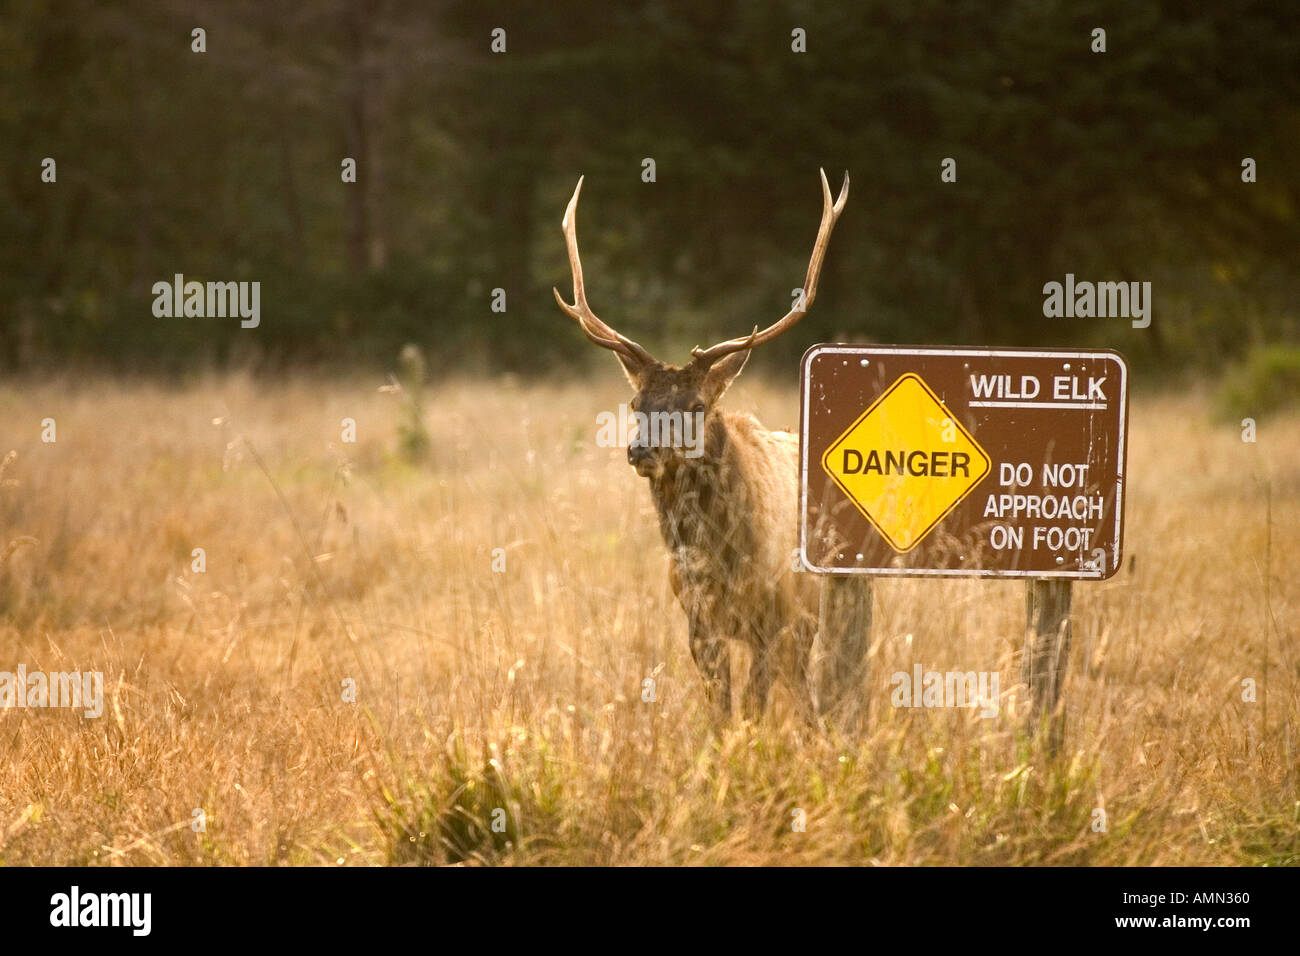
x: 728, y: 512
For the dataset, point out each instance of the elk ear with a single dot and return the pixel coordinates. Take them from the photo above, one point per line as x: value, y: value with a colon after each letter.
x: 631, y: 369
x: 722, y: 373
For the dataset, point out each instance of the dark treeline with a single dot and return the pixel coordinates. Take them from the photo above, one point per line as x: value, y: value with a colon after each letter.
x: 226, y: 165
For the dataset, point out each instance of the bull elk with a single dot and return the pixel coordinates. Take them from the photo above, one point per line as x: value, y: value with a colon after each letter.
x: 727, y: 512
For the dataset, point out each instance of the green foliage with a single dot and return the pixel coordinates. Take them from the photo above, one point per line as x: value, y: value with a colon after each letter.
x: 413, y: 435
x: 1267, y: 381
x: 452, y: 819
x: 226, y: 165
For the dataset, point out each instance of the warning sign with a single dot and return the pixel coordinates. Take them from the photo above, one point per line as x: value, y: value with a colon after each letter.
x: 906, y: 462
x: 962, y: 461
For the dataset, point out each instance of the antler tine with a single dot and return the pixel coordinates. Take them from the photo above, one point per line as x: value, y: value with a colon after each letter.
x: 830, y: 214
x: 596, y: 330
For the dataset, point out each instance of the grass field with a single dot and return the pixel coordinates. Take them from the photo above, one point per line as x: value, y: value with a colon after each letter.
x: 521, y: 689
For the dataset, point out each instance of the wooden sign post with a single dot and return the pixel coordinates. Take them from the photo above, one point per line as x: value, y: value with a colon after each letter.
x: 1047, y: 648
x: 840, y: 657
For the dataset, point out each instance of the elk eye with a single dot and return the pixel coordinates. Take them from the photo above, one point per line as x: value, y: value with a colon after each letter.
x: 698, y: 408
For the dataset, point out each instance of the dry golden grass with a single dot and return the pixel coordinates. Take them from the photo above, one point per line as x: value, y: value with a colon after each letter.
x: 522, y: 690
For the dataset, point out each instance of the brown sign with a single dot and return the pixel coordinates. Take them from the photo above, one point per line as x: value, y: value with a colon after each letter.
x: 949, y: 461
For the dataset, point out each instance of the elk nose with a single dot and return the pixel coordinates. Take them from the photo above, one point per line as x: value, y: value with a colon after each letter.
x: 638, y: 454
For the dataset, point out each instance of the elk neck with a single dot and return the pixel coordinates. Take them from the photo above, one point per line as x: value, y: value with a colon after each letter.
x: 698, y: 499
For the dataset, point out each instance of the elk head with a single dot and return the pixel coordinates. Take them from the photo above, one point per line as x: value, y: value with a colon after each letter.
x: 682, y: 397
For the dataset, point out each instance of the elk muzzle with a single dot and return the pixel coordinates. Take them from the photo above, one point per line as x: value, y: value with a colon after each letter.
x: 642, y: 457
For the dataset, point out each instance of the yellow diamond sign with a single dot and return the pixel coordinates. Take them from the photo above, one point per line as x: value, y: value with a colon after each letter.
x: 906, y: 462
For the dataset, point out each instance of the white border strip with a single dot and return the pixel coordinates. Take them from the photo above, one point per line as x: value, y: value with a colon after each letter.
x: 1095, y: 406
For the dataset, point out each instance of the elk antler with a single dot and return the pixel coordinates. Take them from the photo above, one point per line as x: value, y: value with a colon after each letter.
x: 596, y: 330
x: 830, y: 213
